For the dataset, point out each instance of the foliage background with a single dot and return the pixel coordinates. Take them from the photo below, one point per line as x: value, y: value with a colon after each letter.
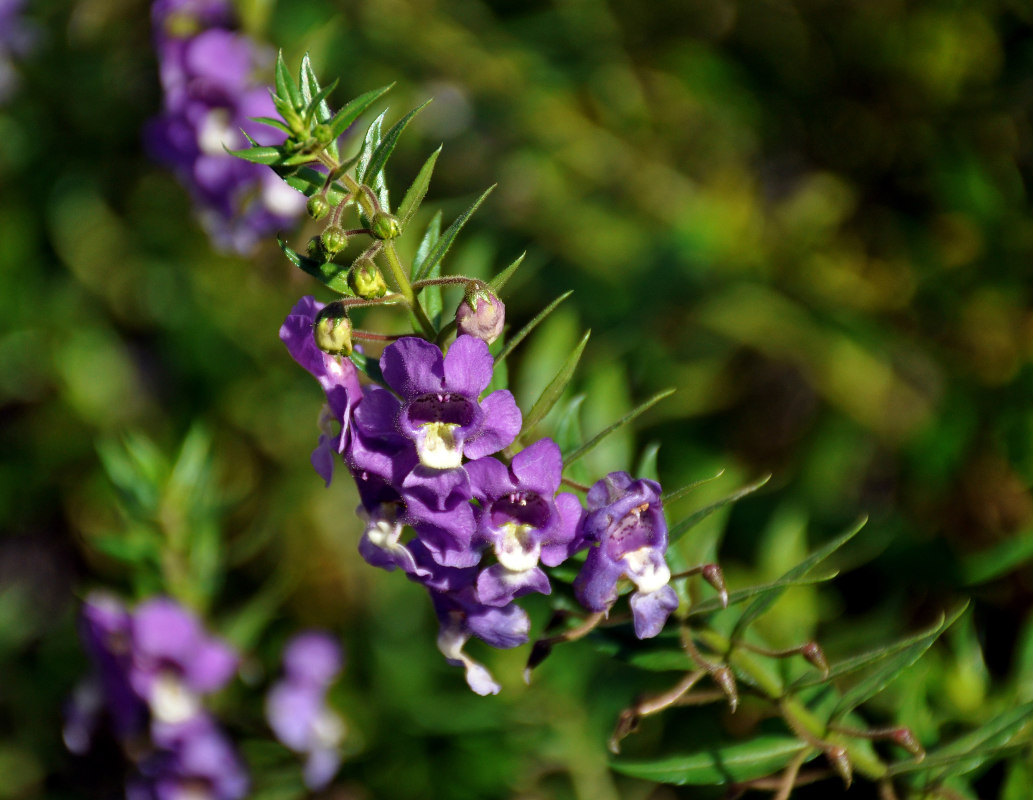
x: 812, y: 218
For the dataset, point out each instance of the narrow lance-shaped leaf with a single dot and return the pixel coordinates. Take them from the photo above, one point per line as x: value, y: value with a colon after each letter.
x: 261, y: 155
x: 271, y: 122
x: 891, y: 668
x: 369, y: 146
x: 530, y: 326
x: 329, y: 274
x: 762, y: 604
x: 286, y: 88
x: 647, y: 466
x: 543, y: 405
x: 430, y: 238
x: 417, y: 190
x: 317, y: 108
x: 588, y: 446
x: 378, y: 160
x: 568, y: 429
x: 308, y: 181
x: 694, y: 519
x: 758, y: 592
x: 678, y: 494
x: 445, y: 242
x: 717, y: 766
x: 354, y: 109
x: 500, y: 280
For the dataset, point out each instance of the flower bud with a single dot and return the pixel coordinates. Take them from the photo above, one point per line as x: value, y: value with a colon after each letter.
x: 317, y: 206
x: 724, y: 678
x: 840, y: 761
x: 314, y: 248
x: 366, y: 280
x: 334, y: 239
x: 481, y: 314
x: 385, y: 226
x: 332, y: 330
x: 322, y: 134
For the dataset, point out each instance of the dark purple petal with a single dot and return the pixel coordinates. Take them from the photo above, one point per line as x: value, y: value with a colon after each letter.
x: 498, y: 586
x: 323, y: 458
x: 468, y: 367
x: 563, y: 539
x: 500, y: 627
x: 596, y: 585
x: 502, y: 422
x: 651, y: 610
x: 539, y: 467
x: 489, y: 478
x: 605, y: 491
x: 413, y: 366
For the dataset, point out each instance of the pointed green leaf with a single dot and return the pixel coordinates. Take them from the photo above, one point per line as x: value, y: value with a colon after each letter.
x: 995, y: 561
x: 530, y: 326
x: 369, y: 145
x: 378, y: 161
x: 568, y: 428
x: 588, y: 446
x: 678, y: 494
x: 647, y: 466
x: 329, y: 274
x: 261, y: 155
x: 891, y: 668
x: 445, y: 242
x: 430, y: 238
x: 354, y: 109
x: 418, y: 190
x: 762, y: 604
x: 543, y: 405
x: 688, y: 523
x: 500, y: 280
x: 719, y: 765
x: 286, y: 88
x: 369, y: 367
x: 308, y: 181
x: 271, y: 122
x: 758, y: 592
x: 317, y: 108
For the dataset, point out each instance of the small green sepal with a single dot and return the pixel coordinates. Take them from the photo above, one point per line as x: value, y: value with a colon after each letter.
x: 385, y: 226
x: 366, y: 279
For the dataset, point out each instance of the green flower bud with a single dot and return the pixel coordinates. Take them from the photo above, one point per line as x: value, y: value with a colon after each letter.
x: 385, y: 226
x: 366, y: 280
x: 315, y: 249
x: 334, y: 239
x: 322, y: 134
x: 317, y: 206
x: 481, y: 314
x: 333, y: 330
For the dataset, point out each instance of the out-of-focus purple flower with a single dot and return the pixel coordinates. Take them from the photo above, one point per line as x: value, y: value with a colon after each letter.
x: 297, y: 710
x: 520, y: 519
x: 626, y: 522
x: 194, y: 760
x: 440, y: 409
x: 337, y: 376
x: 174, y: 661
x: 17, y: 38
x: 208, y: 73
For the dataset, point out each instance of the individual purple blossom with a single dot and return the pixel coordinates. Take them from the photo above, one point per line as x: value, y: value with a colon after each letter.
x: 522, y: 521
x: 625, y: 522
x: 297, y: 710
x: 17, y: 38
x: 208, y: 74
x: 440, y: 410
x: 338, y: 377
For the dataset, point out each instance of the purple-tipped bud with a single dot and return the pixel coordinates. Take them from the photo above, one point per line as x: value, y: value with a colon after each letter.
x: 385, y: 226
x: 724, y: 678
x: 840, y: 761
x: 815, y: 655
x: 481, y: 314
x: 713, y: 575
x: 333, y: 240
x: 333, y: 330
x: 317, y: 206
x: 366, y: 280
x: 906, y: 739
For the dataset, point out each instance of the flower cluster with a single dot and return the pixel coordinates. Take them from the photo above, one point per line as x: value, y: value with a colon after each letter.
x: 297, y: 710
x: 426, y: 452
x: 152, y: 668
x: 208, y: 73
x: 16, y: 39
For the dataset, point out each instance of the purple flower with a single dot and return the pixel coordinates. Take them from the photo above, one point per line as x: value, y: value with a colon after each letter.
x: 440, y: 410
x: 208, y: 74
x: 297, y: 710
x: 174, y: 661
x: 17, y: 38
x: 626, y: 522
x: 338, y: 377
x: 520, y: 519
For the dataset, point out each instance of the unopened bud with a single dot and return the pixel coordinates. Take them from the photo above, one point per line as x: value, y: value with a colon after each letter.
x: 481, y: 314
x: 385, y: 226
x: 724, y: 678
x: 815, y: 655
x: 840, y: 762
x: 322, y: 134
x: 333, y: 330
x: 906, y: 739
x: 317, y: 206
x: 334, y: 239
x: 713, y: 575
x: 366, y: 280
x: 315, y: 249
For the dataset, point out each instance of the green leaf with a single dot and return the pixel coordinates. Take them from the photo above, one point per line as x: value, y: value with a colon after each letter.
x: 317, y: 108
x: 378, y: 161
x: 530, y: 326
x: 369, y: 367
x: 996, y: 561
x: 417, y: 190
x: 588, y: 446
x: 272, y: 122
x: 261, y: 155
x: 308, y: 181
x: 543, y: 405
x: 891, y: 667
x: 717, y: 766
x: 369, y: 145
x: 445, y: 242
x: 686, y: 524
x: 758, y: 592
x: 329, y: 274
x: 500, y: 280
x: 286, y: 88
x: 568, y: 428
x: 355, y: 109
x: 430, y: 238
x: 762, y: 604
x: 678, y: 494
x: 647, y: 464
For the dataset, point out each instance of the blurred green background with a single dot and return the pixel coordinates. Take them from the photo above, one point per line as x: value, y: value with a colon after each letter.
x: 811, y: 218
